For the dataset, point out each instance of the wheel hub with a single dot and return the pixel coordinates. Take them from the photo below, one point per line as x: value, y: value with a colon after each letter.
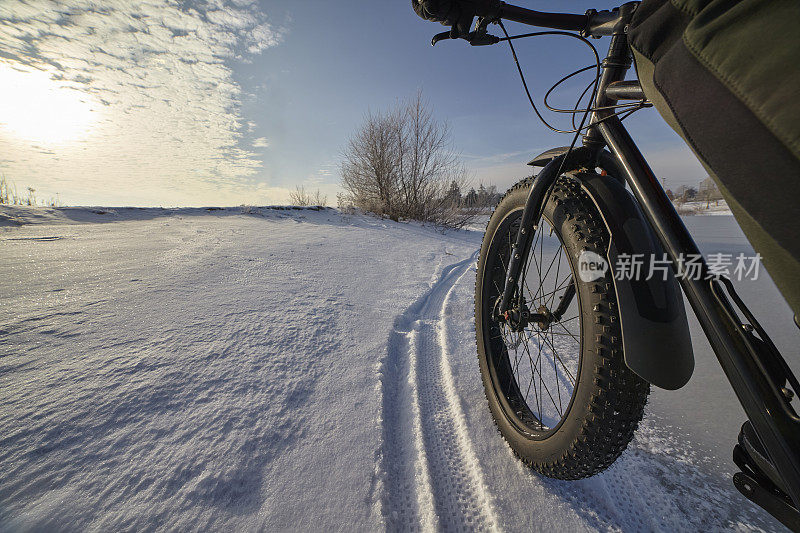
x: 519, y: 317
x: 543, y: 318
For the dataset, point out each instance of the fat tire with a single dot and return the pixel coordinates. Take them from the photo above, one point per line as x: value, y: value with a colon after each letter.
x: 608, y: 399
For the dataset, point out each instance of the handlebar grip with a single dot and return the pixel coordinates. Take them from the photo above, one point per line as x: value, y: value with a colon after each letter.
x: 473, y: 38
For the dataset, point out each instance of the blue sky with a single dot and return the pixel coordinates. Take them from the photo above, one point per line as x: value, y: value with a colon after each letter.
x: 232, y: 102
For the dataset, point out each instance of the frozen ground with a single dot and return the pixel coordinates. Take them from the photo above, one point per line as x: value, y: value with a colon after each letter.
x: 273, y: 370
x: 718, y: 207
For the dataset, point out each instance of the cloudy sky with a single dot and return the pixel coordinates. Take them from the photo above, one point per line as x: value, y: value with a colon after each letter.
x: 163, y: 102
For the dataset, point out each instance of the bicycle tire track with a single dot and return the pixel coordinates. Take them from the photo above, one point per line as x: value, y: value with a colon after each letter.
x: 432, y: 479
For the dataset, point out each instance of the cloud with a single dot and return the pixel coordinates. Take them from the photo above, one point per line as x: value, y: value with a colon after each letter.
x: 260, y: 142
x: 324, y: 177
x: 157, y: 76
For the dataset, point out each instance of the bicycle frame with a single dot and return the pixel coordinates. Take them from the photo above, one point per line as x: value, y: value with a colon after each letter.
x: 743, y: 349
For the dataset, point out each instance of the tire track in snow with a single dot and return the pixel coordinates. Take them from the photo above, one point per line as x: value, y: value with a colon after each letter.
x: 432, y: 479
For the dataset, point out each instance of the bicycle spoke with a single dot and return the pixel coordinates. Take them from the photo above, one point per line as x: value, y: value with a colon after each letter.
x: 542, y: 385
x: 570, y: 335
x: 533, y: 375
x: 568, y: 332
x: 541, y: 262
x: 532, y: 253
x: 517, y: 359
x: 555, y: 353
x: 563, y: 284
x: 559, y: 288
x: 558, y: 269
x: 550, y: 267
x: 555, y: 371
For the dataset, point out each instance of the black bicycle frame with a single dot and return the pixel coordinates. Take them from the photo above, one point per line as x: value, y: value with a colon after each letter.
x: 744, y: 350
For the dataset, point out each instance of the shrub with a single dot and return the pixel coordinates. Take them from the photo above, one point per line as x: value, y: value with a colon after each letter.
x: 9, y: 196
x: 400, y: 165
x: 302, y: 198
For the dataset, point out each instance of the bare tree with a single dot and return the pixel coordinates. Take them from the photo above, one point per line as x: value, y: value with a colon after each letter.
x: 709, y: 191
x: 319, y: 199
x: 370, y: 173
x: 301, y: 197
x: 400, y: 164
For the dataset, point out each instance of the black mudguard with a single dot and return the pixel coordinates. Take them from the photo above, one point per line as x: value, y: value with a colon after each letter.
x: 655, y: 330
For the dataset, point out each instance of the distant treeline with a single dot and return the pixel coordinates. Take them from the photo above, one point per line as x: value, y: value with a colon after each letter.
x: 707, y: 192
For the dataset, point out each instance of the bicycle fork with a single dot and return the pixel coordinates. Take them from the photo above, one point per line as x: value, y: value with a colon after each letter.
x: 533, y: 212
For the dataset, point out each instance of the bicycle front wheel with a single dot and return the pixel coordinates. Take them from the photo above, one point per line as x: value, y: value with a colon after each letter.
x: 556, y: 383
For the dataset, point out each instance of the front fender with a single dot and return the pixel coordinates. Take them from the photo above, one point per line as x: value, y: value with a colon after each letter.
x: 606, y: 161
x: 655, y: 330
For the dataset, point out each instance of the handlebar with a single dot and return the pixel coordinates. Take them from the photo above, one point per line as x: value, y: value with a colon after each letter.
x: 556, y: 21
x: 592, y: 23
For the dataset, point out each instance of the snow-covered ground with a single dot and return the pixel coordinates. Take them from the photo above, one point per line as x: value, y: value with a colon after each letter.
x: 718, y: 207
x: 262, y: 369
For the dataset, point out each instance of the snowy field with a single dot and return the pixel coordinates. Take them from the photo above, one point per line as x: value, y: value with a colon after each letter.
x: 265, y: 369
x: 699, y: 207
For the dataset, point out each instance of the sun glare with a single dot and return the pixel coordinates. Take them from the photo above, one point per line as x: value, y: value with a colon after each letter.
x: 37, y: 108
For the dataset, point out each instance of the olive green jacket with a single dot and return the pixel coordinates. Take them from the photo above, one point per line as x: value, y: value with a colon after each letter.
x: 725, y: 75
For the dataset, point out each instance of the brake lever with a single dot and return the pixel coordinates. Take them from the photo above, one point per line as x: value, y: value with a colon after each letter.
x: 475, y: 38
x: 440, y: 37
x: 482, y: 39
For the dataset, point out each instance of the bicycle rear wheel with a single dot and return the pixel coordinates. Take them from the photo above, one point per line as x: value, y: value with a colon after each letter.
x: 556, y: 383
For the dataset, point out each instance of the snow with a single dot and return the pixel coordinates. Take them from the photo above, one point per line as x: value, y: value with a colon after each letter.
x: 267, y: 369
x: 702, y: 207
